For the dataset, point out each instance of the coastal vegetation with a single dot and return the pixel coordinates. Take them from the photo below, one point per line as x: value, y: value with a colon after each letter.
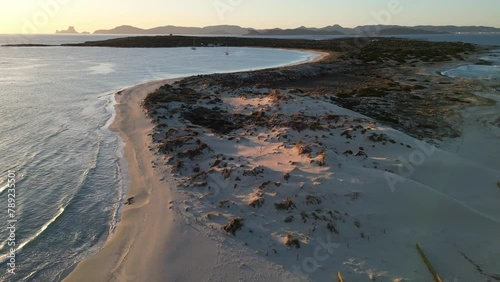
x: 367, y: 49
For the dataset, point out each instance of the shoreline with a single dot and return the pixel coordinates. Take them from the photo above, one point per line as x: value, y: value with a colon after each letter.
x: 128, y: 114
x: 127, y: 108
x: 476, y: 118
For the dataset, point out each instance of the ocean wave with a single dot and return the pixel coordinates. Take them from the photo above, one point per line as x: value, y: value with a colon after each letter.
x: 36, y: 235
x: 14, y: 127
x: 92, y: 166
x: 4, y: 184
x: 83, y: 178
x: 120, y: 175
x: 65, y: 154
x: 110, y: 109
x: 2, y: 188
x: 62, y: 128
x: 107, y: 94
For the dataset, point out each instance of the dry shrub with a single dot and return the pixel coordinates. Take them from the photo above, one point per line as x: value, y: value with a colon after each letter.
x: 233, y: 225
x: 290, y: 240
x: 302, y: 149
x: 286, y: 204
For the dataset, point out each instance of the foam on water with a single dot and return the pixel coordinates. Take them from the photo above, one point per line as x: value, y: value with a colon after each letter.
x: 4, y: 185
x: 30, y: 239
x: 2, y: 188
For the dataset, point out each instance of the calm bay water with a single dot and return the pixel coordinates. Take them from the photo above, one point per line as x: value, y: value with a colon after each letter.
x: 56, y: 104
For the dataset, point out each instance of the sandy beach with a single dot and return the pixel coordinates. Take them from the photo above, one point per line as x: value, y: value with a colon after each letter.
x: 272, y: 184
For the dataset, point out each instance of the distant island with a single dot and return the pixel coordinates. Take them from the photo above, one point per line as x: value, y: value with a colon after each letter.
x: 406, y: 30
x: 296, y: 31
x: 170, y: 29
x: 328, y: 30
x: 70, y: 30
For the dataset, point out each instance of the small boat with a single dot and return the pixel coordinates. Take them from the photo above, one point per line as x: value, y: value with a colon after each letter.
x: 227, y: 51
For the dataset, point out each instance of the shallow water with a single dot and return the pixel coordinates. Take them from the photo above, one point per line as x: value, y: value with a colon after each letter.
x: 491, y: 71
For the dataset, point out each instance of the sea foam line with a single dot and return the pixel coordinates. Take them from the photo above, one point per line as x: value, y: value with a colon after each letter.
x: 4, y: 187
x: 40, y: 231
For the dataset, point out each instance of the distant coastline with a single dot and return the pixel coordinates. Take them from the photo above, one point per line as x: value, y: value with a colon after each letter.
x: 371, y: 30
x: 118, y: 40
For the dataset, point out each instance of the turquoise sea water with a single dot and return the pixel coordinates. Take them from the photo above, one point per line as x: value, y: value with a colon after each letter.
x: 56, y: 104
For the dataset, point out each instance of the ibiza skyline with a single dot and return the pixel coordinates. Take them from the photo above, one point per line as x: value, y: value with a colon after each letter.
x: 46, y: 16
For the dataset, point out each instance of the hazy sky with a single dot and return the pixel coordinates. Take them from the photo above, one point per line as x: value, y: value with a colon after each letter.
x: 45, y: 16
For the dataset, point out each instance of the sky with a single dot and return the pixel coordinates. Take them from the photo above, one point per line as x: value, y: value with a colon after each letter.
x: 47, y: 16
